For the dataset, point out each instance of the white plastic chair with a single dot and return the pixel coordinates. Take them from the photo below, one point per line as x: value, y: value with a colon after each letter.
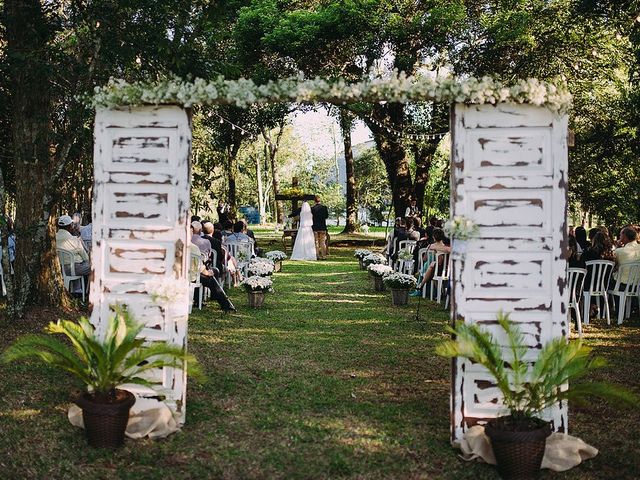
x: 239, y: 249
x: 597, y: 287
x: 440, y: 273
x: 430, y: 258
x: 66, y: 257
x: 576, y: 278
x: 631, y: 272
x: 194, y: 273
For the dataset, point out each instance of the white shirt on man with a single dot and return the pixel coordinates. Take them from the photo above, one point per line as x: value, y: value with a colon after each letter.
x: 66, y: 241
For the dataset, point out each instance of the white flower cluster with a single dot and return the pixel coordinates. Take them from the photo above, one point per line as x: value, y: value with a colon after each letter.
x: 461, y: 228
x: 257, y: 284
x: 261, y: 267
x: 361, y: 253
x: 379, y: 270
x: 167, y: 291
x: 276, y: 256
x: 374, y: 258
x: 405, y: 254
x: 399, y: 280
x: 396, y: 87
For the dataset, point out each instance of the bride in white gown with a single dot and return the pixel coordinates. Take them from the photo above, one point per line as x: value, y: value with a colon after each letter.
x: 305, y: 246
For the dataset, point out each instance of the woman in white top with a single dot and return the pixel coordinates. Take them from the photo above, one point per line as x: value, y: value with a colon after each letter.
x: 305, y: 246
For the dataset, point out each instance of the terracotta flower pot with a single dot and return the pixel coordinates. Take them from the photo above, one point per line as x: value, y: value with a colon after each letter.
x: 105, y: 423
x: 256, y: 299
x: 399, y: 296
x: 518, y: 451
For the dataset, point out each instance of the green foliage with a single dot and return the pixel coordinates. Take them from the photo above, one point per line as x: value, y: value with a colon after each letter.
x: 101, y: 364
x: 526, y: 390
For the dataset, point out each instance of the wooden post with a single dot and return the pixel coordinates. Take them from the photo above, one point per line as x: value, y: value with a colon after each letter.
x: 140, y: 228
x: 508, y: 175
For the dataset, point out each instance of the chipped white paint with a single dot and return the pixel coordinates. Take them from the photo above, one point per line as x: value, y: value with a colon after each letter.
x: 509, y: 175
x: 140, y: 227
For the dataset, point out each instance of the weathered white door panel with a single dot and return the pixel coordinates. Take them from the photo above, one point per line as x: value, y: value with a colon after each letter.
x: 140, y: 227
x: 509, y: 174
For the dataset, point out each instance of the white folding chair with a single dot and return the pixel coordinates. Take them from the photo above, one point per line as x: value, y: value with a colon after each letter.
x: 194, y: 273
x: 600, y: 271
x: 66, y: 257
x: 440, y: 273
x: 626, y: 291
x: 576, y: 284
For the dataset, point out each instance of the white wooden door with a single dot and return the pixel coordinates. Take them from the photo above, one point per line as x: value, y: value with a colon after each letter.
x: 140, y: 227
x: 509, y: 175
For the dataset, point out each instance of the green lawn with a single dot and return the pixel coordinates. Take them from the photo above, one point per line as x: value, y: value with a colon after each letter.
x: 327, y: 381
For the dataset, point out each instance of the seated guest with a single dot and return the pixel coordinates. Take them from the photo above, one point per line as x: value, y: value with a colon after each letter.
x: 86, y: 235
x: 417, y: 225
x: 227, y: 228
x: 202, y: 243
x: 217, y: 231
x: 411, y: 232
x: 208, y: 280
x: 600, y: 249
x: 238, y: 235
x: 574, y: 260
x: 65, y: 240
x: 251, y: 235
x: 581, y: 238
x: 429, y: 269
x: 628, y: 252
x: 216, y: 244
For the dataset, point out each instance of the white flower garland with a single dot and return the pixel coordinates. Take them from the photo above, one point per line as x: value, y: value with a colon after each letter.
x: 399, y: 280
x: 379, y: 270
x: 276, y: 255
x: 405, y: 255
x: 397, y: 87
x: 257, y: 284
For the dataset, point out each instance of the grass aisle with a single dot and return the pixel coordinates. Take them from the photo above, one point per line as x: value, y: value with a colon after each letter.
x: 328, y: 380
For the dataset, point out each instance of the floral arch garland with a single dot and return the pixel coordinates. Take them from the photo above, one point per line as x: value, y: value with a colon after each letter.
x: 398, y: 87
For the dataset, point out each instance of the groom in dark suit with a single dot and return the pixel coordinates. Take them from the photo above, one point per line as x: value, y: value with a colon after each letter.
x: 320, y: 215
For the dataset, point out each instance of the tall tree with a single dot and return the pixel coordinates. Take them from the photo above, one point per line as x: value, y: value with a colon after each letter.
x: 351, y: 217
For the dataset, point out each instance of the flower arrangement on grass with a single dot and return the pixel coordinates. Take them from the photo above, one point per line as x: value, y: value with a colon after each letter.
x: 167, y: 291
x: 405, y: 255
x: 399, y: 281
x: 372, y: 258
x: 461, y: 228
x: 256, y: 283
x: 360, y: 253
x: 379, y: 270
x: 261, y: 268
x: 276, y: 255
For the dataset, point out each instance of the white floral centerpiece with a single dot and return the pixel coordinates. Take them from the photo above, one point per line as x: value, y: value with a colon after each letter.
x: 399, y: 284
x: 460, y: 229
x: 360, y: 253
x: 374, y: 258
x: 276, y: 255
x: 261, y: 267
x: 400, y: 281
x: 379, y: 269
x: 256, y: 283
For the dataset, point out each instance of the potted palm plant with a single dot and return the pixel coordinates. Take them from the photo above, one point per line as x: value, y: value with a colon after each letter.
x: 102, y: 364
x: 519, y: 437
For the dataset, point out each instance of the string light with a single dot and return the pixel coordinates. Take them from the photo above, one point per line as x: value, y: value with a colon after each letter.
x: 405, y: 135
x: 223, y: 120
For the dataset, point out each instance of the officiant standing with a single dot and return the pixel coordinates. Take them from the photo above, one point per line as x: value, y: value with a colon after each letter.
x: 320, y: 214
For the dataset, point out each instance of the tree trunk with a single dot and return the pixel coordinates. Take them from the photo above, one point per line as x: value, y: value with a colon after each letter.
x: 423, y: 154
x: 351, y: 218
x: 392, y: 153
x: 261, y: 205
x: 37, y: 273
x: 272, y: 146
x: 232, y: 175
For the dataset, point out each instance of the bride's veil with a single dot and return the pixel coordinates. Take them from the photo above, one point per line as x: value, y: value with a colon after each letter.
x: 306, y: 219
